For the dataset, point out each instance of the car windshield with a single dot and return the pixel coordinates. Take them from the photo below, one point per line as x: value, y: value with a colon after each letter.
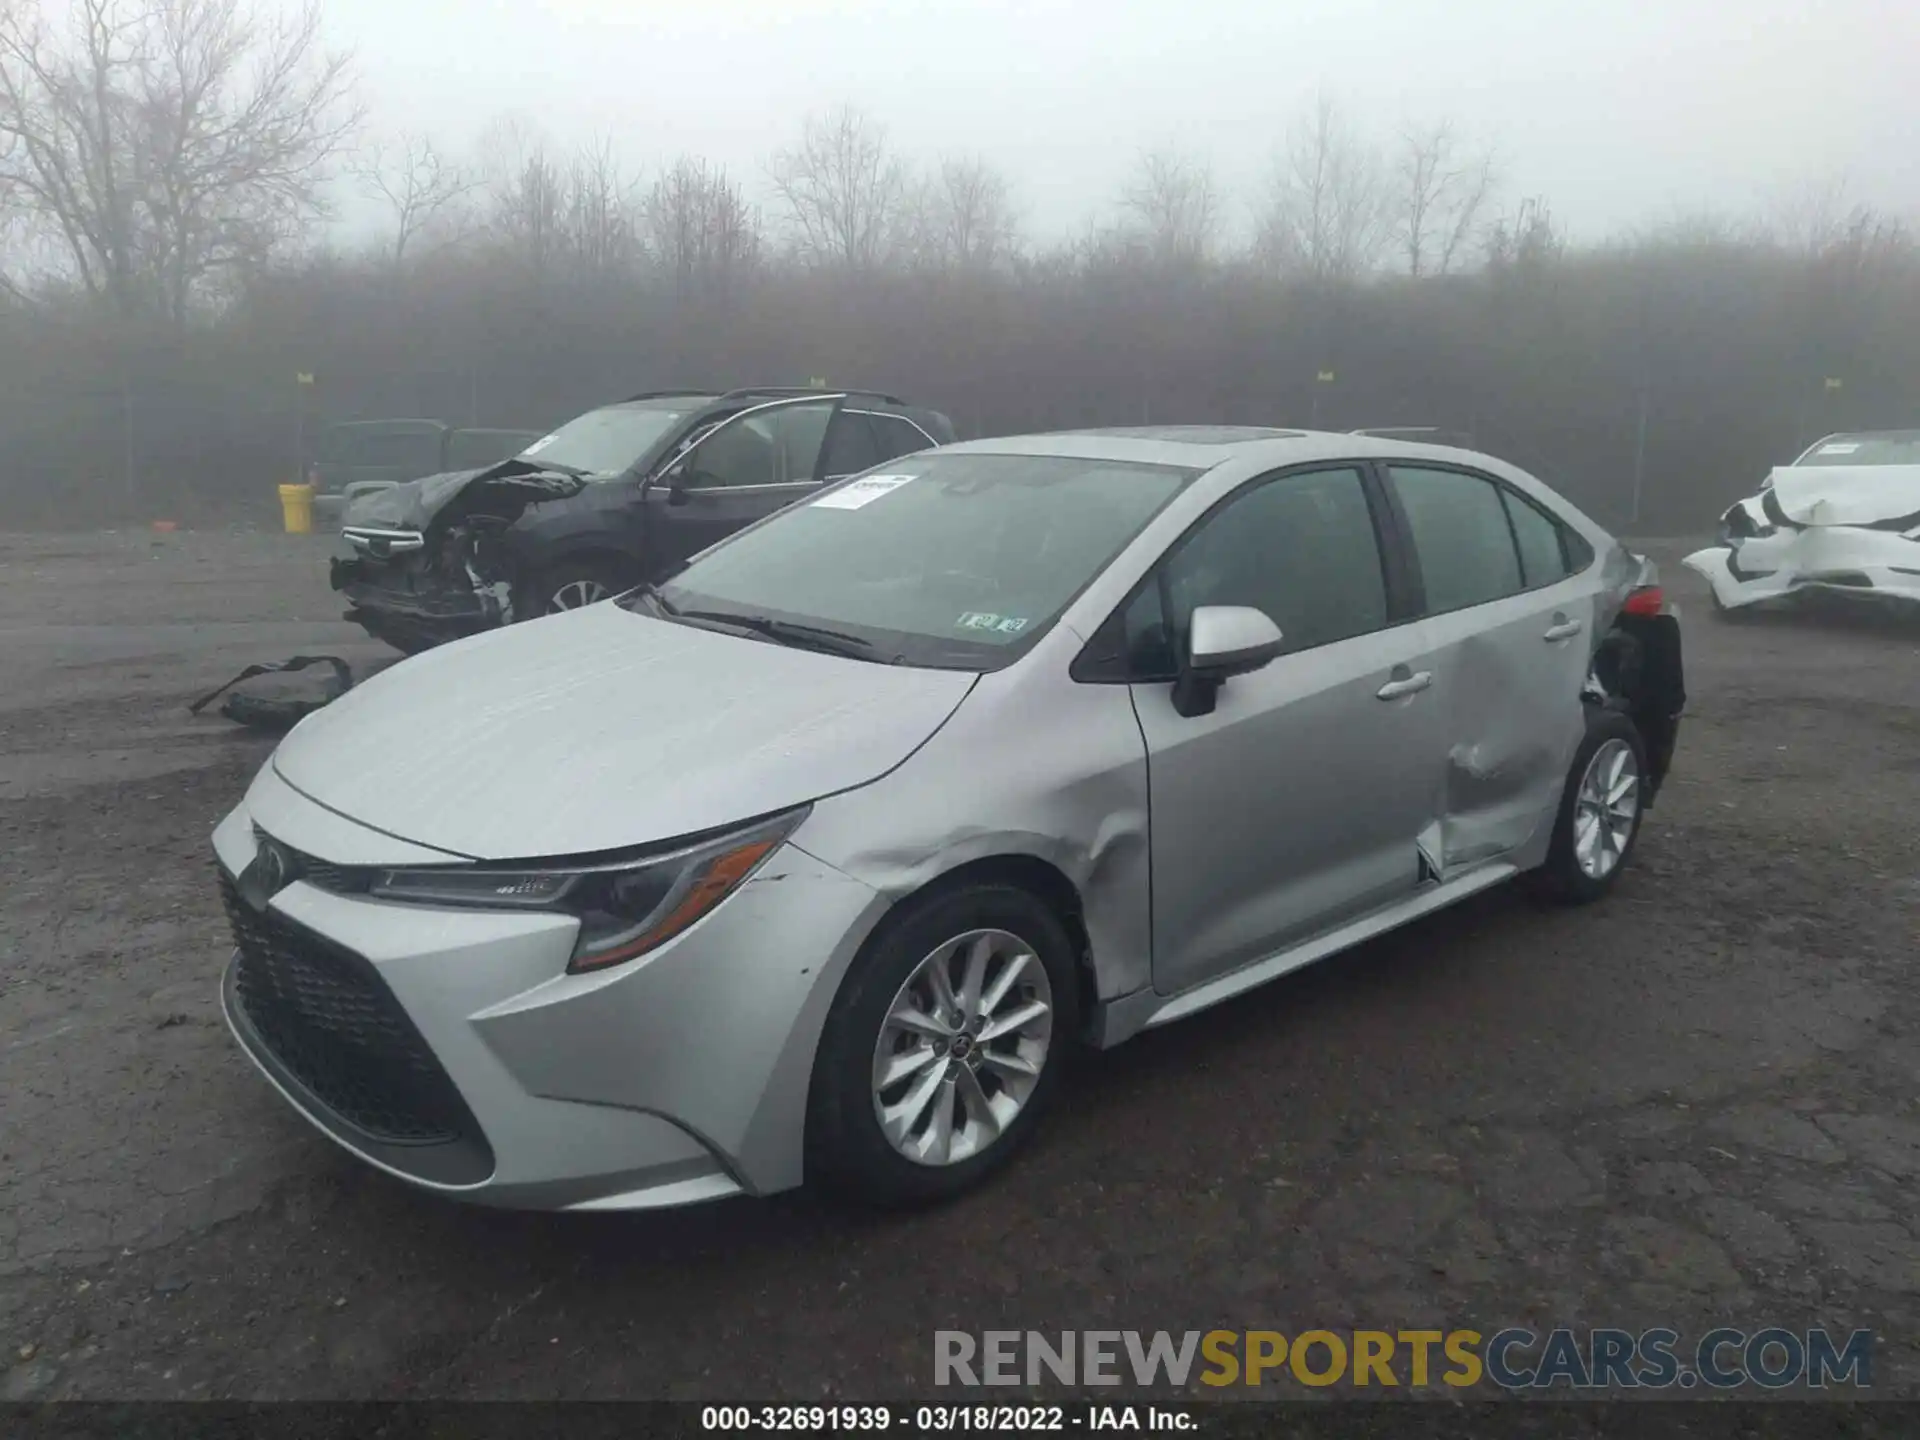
x: 1886, y: 447
x: 605, y: 443
x: 949, y: 560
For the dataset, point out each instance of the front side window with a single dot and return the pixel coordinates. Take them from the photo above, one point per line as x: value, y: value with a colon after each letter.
x: 1301, y: 548
x: 944, y: 559
x: 1460, y: 535
x: 768, y: 447
x: 603, y: 444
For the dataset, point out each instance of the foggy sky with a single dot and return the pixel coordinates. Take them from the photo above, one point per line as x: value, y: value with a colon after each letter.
x: 1620, y: 114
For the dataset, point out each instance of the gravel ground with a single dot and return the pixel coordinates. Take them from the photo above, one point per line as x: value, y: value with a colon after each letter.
x: 1692, y: 1105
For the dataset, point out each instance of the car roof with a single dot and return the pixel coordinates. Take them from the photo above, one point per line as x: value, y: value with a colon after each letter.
x: 664, y: 400
x: 1904, y: 436
x: 1203, y: 447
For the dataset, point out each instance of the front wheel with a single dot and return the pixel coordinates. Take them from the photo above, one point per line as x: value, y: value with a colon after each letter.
x: 1600, y: 809
x: 573, y: 585
x: 944, y: 1047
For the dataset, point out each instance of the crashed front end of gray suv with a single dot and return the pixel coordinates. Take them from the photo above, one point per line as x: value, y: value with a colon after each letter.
x: 431, y: 561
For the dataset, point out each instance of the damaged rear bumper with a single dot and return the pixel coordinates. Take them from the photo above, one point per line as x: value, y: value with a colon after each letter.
x: 1852, y: 562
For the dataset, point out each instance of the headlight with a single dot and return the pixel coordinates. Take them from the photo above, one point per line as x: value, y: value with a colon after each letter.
x: 625, y: 908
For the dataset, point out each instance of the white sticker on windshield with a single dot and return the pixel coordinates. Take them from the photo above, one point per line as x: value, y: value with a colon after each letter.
x: 537, y: 446
x: 864, y: 491
x: 1000, y: 624
x: 1839, y: 449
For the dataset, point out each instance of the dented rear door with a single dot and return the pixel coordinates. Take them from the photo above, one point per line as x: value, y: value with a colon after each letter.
x: 1512, y: 634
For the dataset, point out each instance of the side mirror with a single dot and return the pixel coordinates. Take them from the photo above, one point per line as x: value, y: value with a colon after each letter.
x: 674, y: 477
x: 1223, y: 641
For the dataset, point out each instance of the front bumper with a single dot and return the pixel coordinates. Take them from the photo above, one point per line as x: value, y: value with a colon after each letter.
x: 400, y: 601
x: 452, y: 1049
x: 1850, y: 562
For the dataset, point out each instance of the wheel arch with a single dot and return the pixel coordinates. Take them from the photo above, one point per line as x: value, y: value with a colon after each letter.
x: 534, y: 573
x: 1040, y: 877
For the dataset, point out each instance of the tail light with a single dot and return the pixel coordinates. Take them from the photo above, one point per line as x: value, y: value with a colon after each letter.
x: 1647, y: 600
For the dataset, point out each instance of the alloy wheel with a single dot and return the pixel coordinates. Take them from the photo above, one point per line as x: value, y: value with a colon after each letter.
x: 576, y: 594
x: 1606, y: 809
x: 962, y: 1047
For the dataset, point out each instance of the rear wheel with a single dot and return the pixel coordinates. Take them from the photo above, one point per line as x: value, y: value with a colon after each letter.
x: 944, y: 1047
x: 1600, y: 810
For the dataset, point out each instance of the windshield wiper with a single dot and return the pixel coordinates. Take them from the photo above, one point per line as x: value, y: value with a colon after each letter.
x: 651, y: 594
x: 789, y: 632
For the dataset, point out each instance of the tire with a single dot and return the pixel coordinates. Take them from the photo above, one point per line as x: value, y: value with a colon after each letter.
x: 1564, y: 878
x: 583, y: 581
x: 849, y: 1152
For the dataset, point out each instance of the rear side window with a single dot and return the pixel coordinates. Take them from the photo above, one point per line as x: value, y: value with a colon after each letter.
x: 897, y: 437
x: 1543, y: 560
x: 1460, y: 535
x: 850, y: 446
x: 411, y: 449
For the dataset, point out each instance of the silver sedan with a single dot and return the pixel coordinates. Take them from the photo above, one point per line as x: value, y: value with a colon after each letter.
x: 818, y: 860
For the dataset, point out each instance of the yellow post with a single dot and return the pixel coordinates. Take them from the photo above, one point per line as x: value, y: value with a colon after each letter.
x: 296, y: 505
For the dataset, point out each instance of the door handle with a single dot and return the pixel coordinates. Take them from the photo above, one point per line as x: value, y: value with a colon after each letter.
x: 1564, y: 630
x: 1411, y: 685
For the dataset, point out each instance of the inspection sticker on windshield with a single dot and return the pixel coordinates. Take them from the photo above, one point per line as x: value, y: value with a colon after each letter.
x: 1846, y: 449
x: 999, y: 624
x: 863, y: 491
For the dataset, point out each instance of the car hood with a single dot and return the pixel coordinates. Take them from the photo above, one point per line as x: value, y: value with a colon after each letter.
x: 601, y: 729
x: 1869, y: 495
x: 410, y: 504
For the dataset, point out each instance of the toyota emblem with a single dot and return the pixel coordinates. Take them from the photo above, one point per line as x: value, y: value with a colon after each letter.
x: 272, y: 868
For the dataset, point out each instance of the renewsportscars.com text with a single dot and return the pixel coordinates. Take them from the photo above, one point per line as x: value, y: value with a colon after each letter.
x: 1771, y: 1358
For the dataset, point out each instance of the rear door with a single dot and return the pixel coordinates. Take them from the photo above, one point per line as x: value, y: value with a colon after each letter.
x: 1511, y: 617
x: 743, y: 469
x: 1300, y: 800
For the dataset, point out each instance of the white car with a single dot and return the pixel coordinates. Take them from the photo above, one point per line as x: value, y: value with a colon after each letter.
x: 1842, y: 519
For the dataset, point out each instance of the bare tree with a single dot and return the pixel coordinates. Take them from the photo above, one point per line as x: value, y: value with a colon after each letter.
x: 1439, y: 194
x: 1326, y: 216
x: 962, y: 217
x: 1173, y: 206
x: 1809, y: 216
x: 843, y: 190
x: 158, y: 144
x: 699, y: 227
x: 525, y: 193
x: 420, y: 187
x: 601, y: 220
x: 1527, y: 243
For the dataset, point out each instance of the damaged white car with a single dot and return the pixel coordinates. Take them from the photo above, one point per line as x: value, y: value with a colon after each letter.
x: 1843, y: 519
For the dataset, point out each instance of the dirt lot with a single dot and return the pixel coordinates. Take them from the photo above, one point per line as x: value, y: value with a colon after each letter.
x: 1692, y: 1105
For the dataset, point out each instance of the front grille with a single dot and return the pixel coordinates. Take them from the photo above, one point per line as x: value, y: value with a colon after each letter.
x: 330, y: 1021
x: 324, y: 874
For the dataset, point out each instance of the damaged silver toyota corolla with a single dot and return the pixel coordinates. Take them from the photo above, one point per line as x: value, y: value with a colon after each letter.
x: 817, y: 859
x: 1843, y: 520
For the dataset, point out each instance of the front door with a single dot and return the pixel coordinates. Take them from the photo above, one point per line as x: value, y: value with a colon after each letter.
x: 743, y: 469
x: 1299, y: 802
